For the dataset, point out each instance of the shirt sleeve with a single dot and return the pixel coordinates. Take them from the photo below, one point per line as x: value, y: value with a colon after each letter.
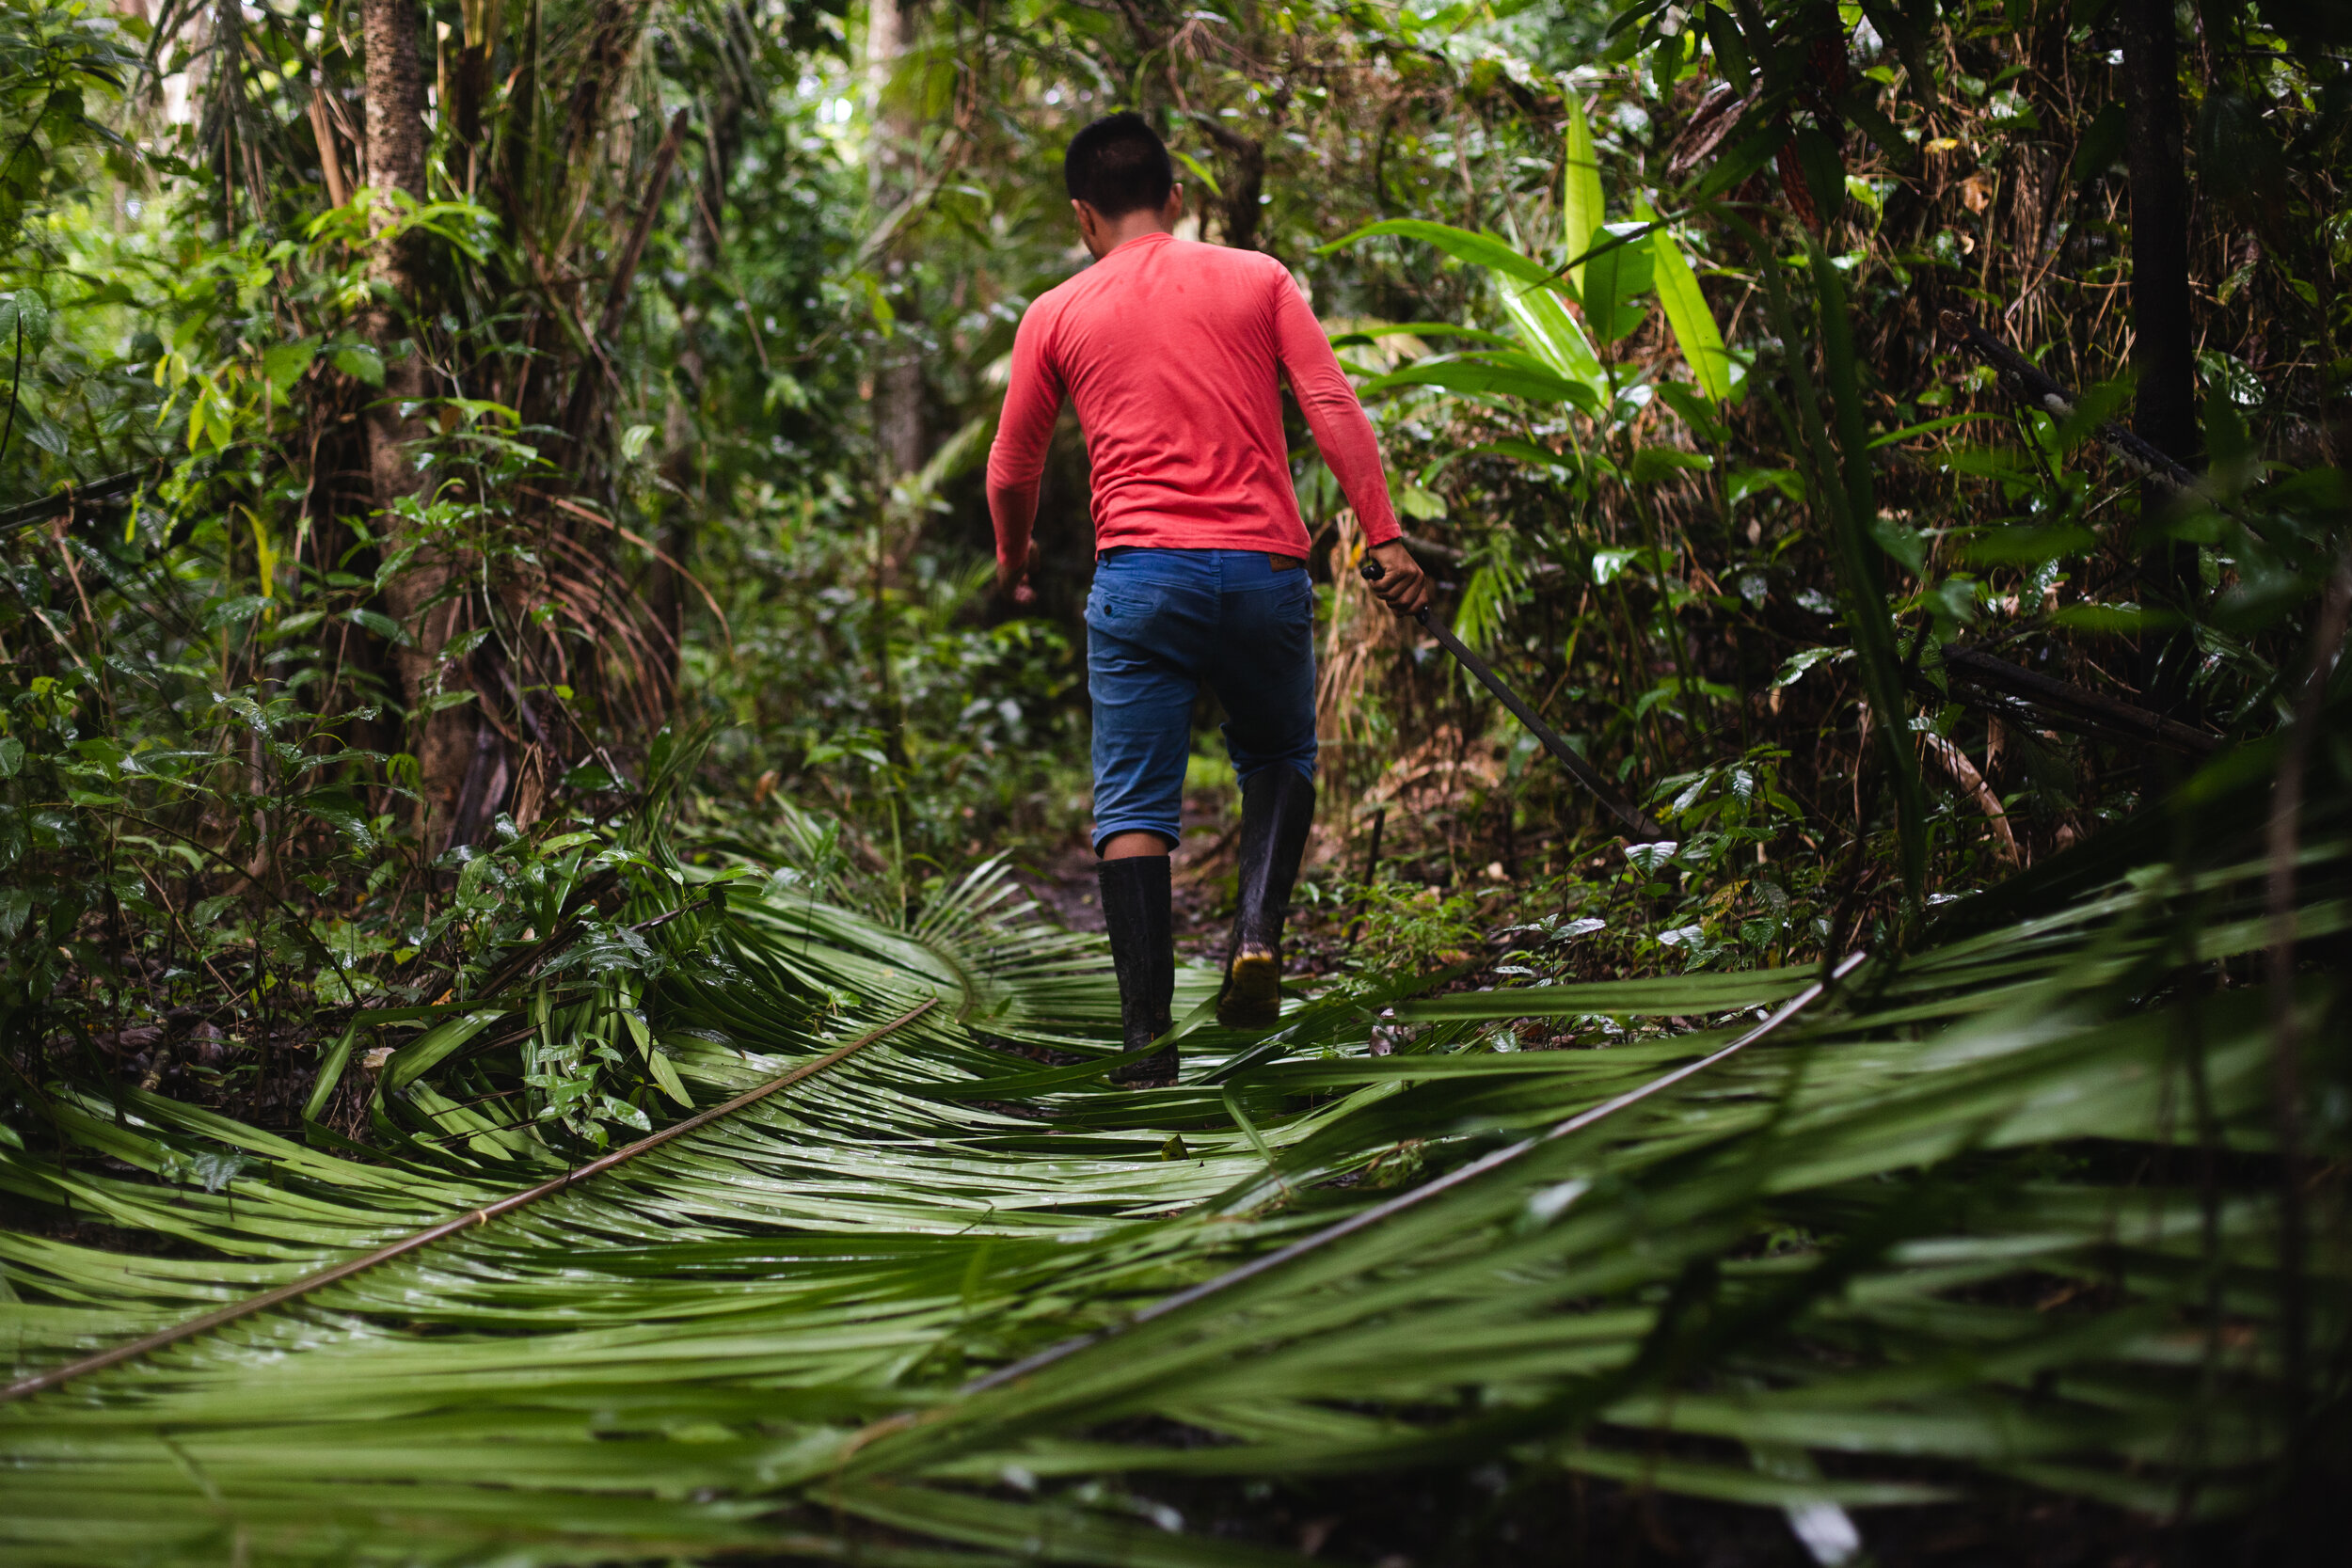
x: 1342, y: 432
x: 1016, y: 459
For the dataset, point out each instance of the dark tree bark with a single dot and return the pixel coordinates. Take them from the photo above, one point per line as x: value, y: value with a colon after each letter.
x: 2163, y: 344
x: 2163, y: 335
x: 1245, y: 181
x: 484, y: 20
x: 395, y: 162
x: 518, y: 134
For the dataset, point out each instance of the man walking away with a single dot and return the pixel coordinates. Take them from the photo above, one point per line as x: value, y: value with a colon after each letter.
x: 1174, y: 353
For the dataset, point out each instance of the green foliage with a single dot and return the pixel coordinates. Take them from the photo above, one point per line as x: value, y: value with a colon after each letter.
x: 733, y: 718
x: 55, y: 57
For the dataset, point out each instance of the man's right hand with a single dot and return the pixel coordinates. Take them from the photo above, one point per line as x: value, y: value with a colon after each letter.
x: 1015, y: 585
x: 1402, y: 585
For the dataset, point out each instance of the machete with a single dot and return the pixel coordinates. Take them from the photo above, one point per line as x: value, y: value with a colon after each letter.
x: 1638, y: 826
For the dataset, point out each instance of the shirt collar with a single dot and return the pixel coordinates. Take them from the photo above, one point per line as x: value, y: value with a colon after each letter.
x: 1124, y: 245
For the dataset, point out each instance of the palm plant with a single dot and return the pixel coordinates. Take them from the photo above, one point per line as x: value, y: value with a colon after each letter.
x: 1999, y: 1212
x: 1569, y: 309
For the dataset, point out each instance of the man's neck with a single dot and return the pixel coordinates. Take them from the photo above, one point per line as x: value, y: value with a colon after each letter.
x: 1117, y: 232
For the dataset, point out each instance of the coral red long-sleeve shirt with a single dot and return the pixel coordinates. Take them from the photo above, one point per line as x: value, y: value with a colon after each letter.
x: 1173, y: 353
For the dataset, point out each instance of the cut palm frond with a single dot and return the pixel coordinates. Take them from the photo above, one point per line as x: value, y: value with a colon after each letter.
x: 2002, y: 1210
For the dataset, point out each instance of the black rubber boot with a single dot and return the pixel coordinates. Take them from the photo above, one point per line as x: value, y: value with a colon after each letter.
x: 1135, y: 913
x: 1278, y: 806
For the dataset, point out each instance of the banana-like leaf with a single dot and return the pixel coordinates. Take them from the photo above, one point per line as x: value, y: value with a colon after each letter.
x: 1687, y: 314
x: 1486, y: 250
x: 1615, y: 278
x: 1582, y: 208
x: 1499, y: 373
x: 1532, y: 295
x: 1548, y: 327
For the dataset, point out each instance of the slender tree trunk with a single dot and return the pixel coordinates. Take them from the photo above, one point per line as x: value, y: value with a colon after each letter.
x: 681, y: 437
x: 220, y: 110
x: 893, y: 172
x: 2164, y: 341
x: 395, y: 162
x: 484, y: 20
x: 518, y: 136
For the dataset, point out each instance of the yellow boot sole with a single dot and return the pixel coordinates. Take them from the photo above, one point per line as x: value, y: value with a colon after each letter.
x: 1252, y: 997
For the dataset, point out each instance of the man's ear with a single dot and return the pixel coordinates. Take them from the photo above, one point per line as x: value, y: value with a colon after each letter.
x: 1174, y: 209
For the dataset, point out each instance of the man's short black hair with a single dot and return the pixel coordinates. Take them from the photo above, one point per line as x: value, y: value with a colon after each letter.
x: 1119, y: 165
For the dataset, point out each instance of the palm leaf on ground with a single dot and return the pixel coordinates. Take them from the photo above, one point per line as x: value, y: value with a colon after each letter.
x: 1948, y: 1226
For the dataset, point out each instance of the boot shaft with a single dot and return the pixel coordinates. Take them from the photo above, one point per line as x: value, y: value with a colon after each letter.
x: 1137, y: 916
x: 1278, y: 806
x: 1277, y: 810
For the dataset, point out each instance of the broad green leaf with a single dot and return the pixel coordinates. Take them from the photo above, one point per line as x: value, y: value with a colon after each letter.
x: 2115, y: 619
x: 1582, y: 208
x: 339, y: 808
x: 24, y: 320
x: 1902, y: 542
x: 1687, y: 314
x: 1614, y: 279
x: 360, y: 362
x: 1200, y: 171
x: 1528, y: 452
x: 1653, y: 463
x: 666, y: 1075
x: 428, y: 1049
x: 2024, y: 545
x: 1503, y: 373
x: 1486, y: 250
x: 1549, y: 328
x: 1355, y: 337
x: 378, y: 622
x: 282, y: 364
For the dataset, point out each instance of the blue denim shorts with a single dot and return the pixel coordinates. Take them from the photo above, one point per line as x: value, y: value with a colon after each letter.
x: 1161, y: 622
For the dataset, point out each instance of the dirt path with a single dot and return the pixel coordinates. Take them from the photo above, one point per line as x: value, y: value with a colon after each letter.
x: 1202, y: 874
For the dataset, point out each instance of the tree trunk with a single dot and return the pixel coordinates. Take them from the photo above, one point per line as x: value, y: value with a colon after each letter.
x: 891, y: 174
x: 681, y: 435
x: 2163, y: 408
x: 610, y: 42
x: 1244, y: 181
x: 395, y: 162
x: 483, y: 21
x: 2163, y: 335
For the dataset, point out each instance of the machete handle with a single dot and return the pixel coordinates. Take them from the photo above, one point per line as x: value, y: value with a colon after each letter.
x: 1372, y: 572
